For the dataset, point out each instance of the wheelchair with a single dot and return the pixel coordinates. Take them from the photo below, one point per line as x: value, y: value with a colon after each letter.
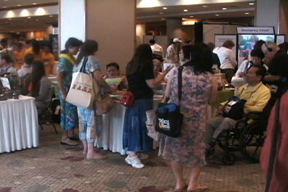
x: 247, y: 136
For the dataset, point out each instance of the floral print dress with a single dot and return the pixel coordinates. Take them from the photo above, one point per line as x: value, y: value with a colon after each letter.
x: 189, y: 148
x: 69, y: 116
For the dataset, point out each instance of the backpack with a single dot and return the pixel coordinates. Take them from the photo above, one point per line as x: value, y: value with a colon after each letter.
x: 25, y: 82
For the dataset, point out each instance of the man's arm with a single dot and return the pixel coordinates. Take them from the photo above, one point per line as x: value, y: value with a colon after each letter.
x: 260, y: 104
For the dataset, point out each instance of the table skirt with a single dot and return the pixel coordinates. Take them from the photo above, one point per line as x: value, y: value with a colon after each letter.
x: 18, y: 124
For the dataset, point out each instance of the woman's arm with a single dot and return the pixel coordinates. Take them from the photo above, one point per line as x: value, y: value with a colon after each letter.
x: 154, y: 83
x: 214, y: 92
x: 60, y: 77
x: 99, y: 79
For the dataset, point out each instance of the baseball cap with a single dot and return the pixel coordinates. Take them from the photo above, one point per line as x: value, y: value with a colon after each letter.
x: 176, y: 40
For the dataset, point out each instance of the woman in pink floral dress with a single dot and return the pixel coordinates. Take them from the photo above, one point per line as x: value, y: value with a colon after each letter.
x: 198, y: 89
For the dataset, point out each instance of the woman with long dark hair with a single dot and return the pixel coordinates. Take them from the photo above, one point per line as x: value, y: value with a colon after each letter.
x: 198, y: 88
x: 87, y: 117
x: 40, y: 86
x: 141, y: 81
x: 35, y: 49
x: 69, y: 117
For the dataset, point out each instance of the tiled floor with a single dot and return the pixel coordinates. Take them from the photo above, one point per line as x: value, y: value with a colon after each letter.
x: 56, y: 168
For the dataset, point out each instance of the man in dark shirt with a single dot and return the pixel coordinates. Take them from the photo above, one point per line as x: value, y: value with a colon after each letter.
x: 277, y: 79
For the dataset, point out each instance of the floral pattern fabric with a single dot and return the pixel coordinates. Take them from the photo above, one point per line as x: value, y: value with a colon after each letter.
x: 69, y: 117
x: 189, y: 148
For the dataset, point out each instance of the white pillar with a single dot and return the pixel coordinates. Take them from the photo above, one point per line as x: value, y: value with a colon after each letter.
x: 72, y: 20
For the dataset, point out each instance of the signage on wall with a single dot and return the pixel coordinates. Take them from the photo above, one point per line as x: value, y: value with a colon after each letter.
x: 255, y: 30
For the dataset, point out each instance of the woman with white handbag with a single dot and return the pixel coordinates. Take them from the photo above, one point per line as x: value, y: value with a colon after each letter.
x: 88, y: 63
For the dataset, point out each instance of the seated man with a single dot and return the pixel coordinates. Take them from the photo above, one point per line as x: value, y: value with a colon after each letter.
x: 254, y: 92
x: 256, y: 58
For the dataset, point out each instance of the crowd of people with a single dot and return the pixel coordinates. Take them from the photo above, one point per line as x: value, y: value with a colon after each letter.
x: 265, y: 78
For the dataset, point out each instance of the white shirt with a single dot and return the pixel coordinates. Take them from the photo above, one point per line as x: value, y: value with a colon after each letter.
x: 24, y: 70
x: 226, y: 57
x: 171, y: 55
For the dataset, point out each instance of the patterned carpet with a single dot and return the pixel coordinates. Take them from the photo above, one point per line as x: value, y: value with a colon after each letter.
x: 57, y: 168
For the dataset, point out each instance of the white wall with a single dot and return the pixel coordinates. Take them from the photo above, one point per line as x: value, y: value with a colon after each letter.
x: 72, y: 22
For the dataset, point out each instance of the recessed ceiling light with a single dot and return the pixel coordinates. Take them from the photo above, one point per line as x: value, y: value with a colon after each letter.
x: 246, y: 13
x: 224, y: 8
x: 204, y: 6
x: 19, y: 5
x: 34, y: 3
x: 185, y: 10
x: 164, y: 7
x: 191, y: 16
x: 217, y: 15
x: 161, y: 13
x: 251, y: 3
x: 4, y: 6
x: 183, y: 19
x: 51, y: 16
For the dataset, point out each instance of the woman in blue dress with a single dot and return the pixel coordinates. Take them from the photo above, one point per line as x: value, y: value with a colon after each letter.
x: 69, y: 117
x: 140, y: 76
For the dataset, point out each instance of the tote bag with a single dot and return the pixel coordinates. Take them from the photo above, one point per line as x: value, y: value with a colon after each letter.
x: 81, y: 92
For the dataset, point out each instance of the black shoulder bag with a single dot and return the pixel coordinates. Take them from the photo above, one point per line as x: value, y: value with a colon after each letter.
x: 169, y: 119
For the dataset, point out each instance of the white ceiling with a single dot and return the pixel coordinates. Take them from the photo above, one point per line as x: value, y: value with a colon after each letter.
x: 234, y: 11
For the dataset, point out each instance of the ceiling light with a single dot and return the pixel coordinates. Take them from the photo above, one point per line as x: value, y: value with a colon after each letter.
x: 4, y: 6
x: 161, y: 13
x: 217, y: 15
x: 34, y: 3
x: 51, y: 16
x: 28, y: 17
x: 164, y: 7
x: 162, y: 18
x: 251, y: 3
x: 246, y: 13
x: 204, y: 6
x: 224, y: 8
x: 19, y: 5
x: 183, y: 19
x: 185, y: 10
x: 191, y: 16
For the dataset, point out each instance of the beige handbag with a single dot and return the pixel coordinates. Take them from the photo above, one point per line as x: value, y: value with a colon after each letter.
x: 104, y: 103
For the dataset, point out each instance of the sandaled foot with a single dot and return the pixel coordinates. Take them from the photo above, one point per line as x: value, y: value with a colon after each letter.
x: 68, y: 142
x: 73, y: 137
x: 96, y: 156
x: 199, y: 188
x: 181, y: 189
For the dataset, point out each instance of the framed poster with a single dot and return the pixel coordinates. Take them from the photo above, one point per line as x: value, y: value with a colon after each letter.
x: 280, y: 39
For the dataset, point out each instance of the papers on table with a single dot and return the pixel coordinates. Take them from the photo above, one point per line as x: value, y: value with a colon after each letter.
x: 114, y: 81
x: 5, y: 82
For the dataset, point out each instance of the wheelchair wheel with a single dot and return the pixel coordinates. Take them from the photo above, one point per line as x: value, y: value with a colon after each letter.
x: 251, y: 141
x: 229, y: 141
x: 228, y: 159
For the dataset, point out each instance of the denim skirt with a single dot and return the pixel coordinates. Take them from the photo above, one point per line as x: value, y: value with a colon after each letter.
x: 135, y: 136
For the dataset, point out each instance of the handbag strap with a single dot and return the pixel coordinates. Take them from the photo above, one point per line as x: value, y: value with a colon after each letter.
x: 82, y: 69
x: 180, y: 69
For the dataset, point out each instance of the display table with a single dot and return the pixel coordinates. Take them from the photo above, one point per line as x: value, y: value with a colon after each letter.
x: 18, y: 124
x: 112, y: 133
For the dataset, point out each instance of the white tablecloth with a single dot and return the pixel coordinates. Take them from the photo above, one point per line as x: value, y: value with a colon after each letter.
x: 112, y: 133
x: 18, y: 124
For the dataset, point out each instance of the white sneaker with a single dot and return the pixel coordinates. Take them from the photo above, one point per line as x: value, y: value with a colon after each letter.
x: 134, y: 161
x: 142, y: 156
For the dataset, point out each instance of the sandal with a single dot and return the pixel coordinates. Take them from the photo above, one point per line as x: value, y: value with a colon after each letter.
x: 199, y: 188
x: 181, y: 190
x: 68, y: 142
x: 73, y: 137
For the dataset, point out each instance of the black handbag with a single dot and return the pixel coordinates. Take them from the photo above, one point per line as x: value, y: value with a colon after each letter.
x: 234, y: 108
x: 169, y: 118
